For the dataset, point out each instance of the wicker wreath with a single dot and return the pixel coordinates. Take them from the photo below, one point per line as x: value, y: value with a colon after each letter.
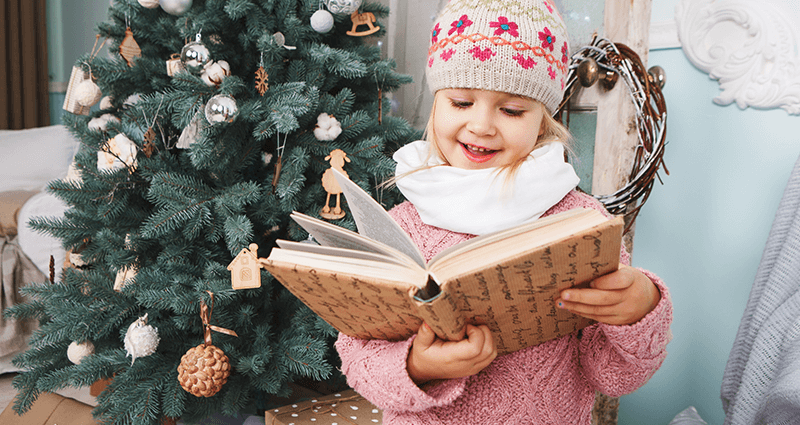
x: 618, y: 61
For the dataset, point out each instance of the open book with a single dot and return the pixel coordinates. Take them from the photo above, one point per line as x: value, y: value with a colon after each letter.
x: 376, y: 284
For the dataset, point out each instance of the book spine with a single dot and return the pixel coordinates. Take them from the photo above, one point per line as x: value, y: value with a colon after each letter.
x: 443, y: 315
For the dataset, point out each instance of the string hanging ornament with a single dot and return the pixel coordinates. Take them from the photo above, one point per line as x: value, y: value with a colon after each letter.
x: 262, y: 78
x: 205, y: 368
x: 280, y: 148
x: 613, y: 61
x: 150, y: 134
x: 82, y: 92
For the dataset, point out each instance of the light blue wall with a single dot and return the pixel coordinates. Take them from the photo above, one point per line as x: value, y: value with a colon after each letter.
x: 71, y: 33
x: 704, y: 230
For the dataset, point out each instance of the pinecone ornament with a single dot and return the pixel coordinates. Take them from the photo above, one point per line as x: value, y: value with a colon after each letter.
x: 204, y: 370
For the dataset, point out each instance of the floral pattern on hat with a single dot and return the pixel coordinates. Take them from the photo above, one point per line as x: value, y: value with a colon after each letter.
x: 565, y: 53
x: 482, y: 54
x: 447, y: 54
x: 524, y: 62
x: 459, y: 25
x: 503, y: 25
x: 435, y: 33
x: 551, y: 72
x: 548, y: 39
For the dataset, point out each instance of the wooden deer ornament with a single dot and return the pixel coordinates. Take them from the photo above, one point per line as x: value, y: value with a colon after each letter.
x: 363, y: 19
x: 337, y: 158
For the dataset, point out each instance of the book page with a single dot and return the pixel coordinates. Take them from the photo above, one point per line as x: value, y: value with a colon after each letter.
x: 337, y: 252
x: 374, y: 222
x: 330, y: 235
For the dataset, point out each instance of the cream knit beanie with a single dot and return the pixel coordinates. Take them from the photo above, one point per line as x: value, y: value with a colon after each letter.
x: 512, y: 46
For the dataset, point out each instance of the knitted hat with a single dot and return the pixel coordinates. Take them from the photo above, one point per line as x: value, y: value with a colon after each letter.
x: 512, y: 46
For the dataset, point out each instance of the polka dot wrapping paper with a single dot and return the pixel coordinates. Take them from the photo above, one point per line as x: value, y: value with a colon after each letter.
x: 344, y: 408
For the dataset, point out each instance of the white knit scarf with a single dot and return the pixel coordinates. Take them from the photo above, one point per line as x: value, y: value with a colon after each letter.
x: 478, y: 201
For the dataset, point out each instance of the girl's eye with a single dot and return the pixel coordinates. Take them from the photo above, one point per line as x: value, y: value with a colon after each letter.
x: 460, y: 104
x: 513, y: 112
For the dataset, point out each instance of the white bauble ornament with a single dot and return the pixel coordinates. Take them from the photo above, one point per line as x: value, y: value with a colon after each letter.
x: 195, y: 56
x: 77, y: 351
x: 101, y: 123
x: 176, y: 7
x: 328, y: 128
x: 221, y: 108
x: 87, y: 93
x: 343, y: 7
x: 105, y: 103
x: 150, y: 4
x: 322, y: 21
x: 141, y: 340
x: 214, y: 72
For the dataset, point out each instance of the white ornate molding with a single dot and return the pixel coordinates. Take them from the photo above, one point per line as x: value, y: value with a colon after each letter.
x: 751, y: 47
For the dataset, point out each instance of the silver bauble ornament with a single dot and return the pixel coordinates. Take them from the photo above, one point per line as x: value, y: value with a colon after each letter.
x: 343, y: 7
x: 322, y: 21
x: 77, y: 351
x: 150, y: 4
x: 195, y: 56
x: 141, y: 340
x: 221, y: 108
x: 176, y: 7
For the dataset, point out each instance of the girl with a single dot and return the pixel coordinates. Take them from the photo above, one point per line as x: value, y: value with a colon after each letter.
x: 497, y: 68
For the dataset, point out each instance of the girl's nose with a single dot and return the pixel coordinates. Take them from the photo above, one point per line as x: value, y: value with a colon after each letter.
x: 481, y: 123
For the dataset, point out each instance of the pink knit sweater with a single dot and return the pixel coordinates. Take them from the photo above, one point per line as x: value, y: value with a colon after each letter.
x: 551, y: 383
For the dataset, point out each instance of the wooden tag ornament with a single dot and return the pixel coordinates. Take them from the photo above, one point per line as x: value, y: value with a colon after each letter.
x: 337, y: 159
x: 245, y: 269
x: 363, y: 19
x: 129, y: 48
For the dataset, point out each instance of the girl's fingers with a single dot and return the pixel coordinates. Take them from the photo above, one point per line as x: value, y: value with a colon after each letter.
x: 590, y: 296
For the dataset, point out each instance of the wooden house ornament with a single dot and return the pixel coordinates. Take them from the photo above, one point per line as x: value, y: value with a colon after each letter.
x: 245, y: 269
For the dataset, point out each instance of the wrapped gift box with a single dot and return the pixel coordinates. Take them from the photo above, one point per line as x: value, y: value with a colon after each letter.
x: 344, y: 408
x: 50, y: 409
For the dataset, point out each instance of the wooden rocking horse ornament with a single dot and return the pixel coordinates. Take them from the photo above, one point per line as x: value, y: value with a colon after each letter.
x: 337, y: 157
x: 363, y: 19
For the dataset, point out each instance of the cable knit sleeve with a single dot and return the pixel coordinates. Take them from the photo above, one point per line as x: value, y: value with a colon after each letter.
x: 619, y: 359
x: 376, y: 369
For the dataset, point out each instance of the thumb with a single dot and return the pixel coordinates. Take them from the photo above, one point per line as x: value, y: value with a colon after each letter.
x: 425, y: 336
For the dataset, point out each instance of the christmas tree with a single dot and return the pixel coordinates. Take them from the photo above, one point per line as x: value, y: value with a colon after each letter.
x: 216, y: 121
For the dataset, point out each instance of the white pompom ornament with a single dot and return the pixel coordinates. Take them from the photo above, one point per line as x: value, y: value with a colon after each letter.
x: 150, y: 4
x: 322, y: 21
x: 328, y: 128
x: 141, y: 340
x: 175, y: 7
x: 101, y: 123
x: 76, y: 352
x: 105, y: 103
x: 87, y: 93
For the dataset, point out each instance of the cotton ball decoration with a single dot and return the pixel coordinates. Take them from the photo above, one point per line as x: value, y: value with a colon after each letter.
x: 150, y: 4
x: 101, y: 123
x: 328, y: 128
x: 119, y: 153
x: 105, y: 103
x: 141, y: 340
x: 76, y: 352
x: 221, y: 108
x: 176, y: 7
x: 214, y: 72
x: 343, y: 7
x: 322, y: 21
x: 87, y: 93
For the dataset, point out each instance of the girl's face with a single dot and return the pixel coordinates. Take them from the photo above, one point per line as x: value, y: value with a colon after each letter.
x: 476, y: 129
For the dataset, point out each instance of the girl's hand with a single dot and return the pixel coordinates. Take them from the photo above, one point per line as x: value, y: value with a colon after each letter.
x: 620, y: 298
x: 433, y: 358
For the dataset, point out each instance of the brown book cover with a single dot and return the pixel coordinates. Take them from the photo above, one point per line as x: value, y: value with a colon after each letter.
x: 375, y: 284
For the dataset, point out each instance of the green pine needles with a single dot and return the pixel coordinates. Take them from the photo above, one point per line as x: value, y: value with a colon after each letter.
x: 178, y: 216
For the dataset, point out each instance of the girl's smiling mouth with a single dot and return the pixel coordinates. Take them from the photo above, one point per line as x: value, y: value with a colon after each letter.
x: 477, y: 153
